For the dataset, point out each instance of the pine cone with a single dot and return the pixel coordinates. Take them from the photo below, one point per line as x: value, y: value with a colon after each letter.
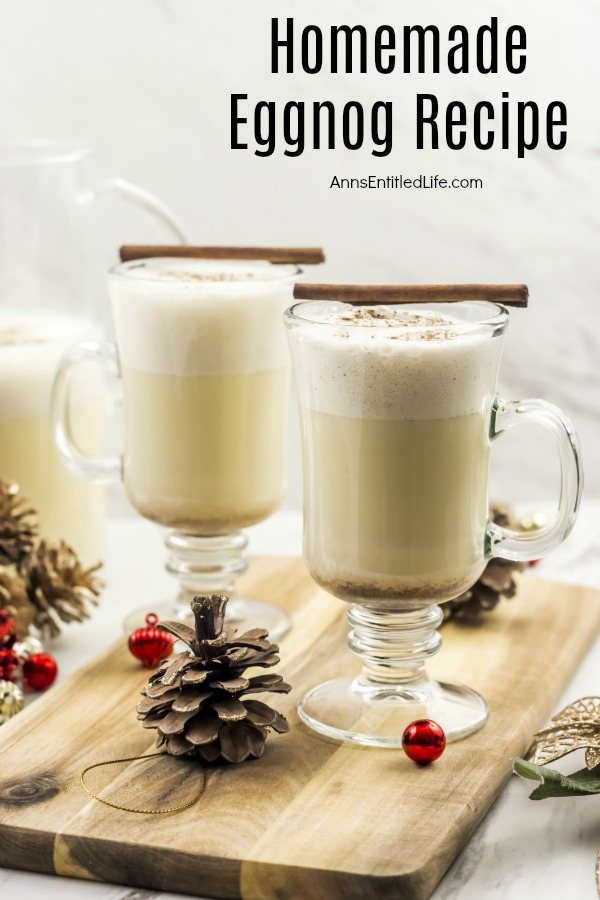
x: 13, y: 596
x: 59, y: 587
x: 497, y: 581
x: 194, y: 699
x: 18, y: 525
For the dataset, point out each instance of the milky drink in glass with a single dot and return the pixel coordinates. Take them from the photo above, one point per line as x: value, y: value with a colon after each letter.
x: 30, y: 349
x: 395, y: 409
x: 205, y: 376
x: 398, y: 406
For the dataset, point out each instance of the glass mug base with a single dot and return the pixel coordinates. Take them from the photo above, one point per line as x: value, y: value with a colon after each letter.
x: 349, y: 709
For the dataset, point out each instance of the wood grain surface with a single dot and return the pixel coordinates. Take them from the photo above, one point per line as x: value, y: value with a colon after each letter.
x: 311, y: 819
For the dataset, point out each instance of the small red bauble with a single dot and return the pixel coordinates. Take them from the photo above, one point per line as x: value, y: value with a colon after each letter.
x: 9, y: 661
x: 423, y: 741
x: 39, y: 671
x: 7, y: 625
x: 150, y: 644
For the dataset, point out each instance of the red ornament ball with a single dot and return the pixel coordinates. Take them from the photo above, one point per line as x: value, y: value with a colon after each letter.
x: 39, y: 671
x: 150, y: 644
x: 423, y: 741
x: 9, y: 662
x: 7, y: 625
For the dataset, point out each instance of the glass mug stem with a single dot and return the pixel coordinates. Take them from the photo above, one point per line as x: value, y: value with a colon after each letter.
x: 394, y: 646
x: 204, y: 565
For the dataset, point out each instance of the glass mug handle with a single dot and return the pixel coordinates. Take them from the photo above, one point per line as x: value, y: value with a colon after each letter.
x: 529, y: 545
x: 97, y: 469
x: 119, y: 187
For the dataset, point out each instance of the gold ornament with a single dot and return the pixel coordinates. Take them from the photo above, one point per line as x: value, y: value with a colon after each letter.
x: 11, y: 700
x: 199, y: 700
x: 18, y: 525
x: 576, y: 727
x: 59, y: 588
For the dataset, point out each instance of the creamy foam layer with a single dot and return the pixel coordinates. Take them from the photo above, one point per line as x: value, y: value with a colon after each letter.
x: 30, y: 350
x: 392, y: 362
x: 201, y: 317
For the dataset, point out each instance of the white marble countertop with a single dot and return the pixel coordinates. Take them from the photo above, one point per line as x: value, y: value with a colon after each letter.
x: 521, y: 849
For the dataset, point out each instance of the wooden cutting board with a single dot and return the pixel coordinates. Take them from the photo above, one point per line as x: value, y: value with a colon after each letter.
x: 311, y: 819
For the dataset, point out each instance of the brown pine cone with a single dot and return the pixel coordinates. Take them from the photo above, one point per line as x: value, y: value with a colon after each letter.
x: 496, y: 583
x: 59, y: 588
x: 199, y: 701
x: 18, y: 525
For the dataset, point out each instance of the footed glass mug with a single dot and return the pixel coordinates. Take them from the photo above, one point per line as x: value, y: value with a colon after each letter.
x: 204, y: 365
x: 398, y: 409
x: 53, y: 293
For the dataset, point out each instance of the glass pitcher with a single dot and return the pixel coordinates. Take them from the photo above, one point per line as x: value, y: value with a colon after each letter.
x: 52, y: 291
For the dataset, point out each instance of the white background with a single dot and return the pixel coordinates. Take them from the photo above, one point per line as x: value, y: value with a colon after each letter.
x: 148, y: 83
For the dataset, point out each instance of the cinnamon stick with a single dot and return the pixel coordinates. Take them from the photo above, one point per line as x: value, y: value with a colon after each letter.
x: 291, y: 255
x: 373, y: 294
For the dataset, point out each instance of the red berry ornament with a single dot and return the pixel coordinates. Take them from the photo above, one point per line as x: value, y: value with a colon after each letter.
x: 150, y: 644
x: 39, y: 671
x: 7, y: 625
x: 9, y: 661
x: 423, y: 741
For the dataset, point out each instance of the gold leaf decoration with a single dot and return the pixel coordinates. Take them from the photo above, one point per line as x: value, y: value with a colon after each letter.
x: 576, y: 727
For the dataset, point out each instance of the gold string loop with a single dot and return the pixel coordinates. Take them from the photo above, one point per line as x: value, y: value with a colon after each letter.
x: 153, y: 812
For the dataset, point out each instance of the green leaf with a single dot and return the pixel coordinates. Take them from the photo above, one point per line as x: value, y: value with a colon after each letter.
x: 553, y: 784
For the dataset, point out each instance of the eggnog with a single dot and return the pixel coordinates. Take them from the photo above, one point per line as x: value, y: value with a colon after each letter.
x: 395, y: 412
x: 30, y: 349
x: 205, y: 376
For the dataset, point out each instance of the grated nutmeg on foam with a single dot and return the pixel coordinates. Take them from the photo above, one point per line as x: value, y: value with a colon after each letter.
x: 208, y: 277
x: 420, y: 326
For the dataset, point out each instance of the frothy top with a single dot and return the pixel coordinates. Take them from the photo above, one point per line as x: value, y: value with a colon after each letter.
x: 392, y: 362
x: 199, y: 271
x: 194, y: 317
x: 30, y: 350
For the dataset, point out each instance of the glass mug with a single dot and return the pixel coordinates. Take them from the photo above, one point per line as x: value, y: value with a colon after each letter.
x: 52, y: 289
x: 202, y: 356
x: 397, y: 423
